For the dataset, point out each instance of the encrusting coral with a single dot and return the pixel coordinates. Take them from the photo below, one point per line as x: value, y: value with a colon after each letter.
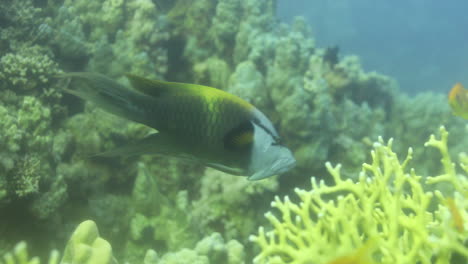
x: 222, y: 204
x: 27, y: 68
x: 84, y: 247
x: 387, y: 216
x: 210, y: 250
x: 87, y: 247
x: 19, y: 255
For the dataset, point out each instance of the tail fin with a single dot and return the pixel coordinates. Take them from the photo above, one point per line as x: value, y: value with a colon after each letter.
x: 107, y: 94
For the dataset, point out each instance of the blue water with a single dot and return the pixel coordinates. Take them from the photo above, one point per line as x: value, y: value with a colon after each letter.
x: 421, y: 43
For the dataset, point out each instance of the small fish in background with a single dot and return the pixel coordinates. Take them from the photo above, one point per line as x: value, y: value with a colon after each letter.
x: 458, y: 222
x: 362, y: 255
x: 458, y: 100
x: 194, y: 122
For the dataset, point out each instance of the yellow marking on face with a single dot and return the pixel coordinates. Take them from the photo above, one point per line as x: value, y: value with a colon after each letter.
x: 244, y: 139
x: 212, y: 94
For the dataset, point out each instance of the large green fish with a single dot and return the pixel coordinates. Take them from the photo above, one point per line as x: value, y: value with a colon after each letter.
x: 194, y: 122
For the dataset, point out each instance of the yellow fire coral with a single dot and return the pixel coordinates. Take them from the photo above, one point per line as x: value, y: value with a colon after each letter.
x: 387, y: 216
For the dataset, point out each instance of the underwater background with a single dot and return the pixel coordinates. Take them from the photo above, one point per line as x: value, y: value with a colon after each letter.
x: 419, y: 43
x: 401, y: 206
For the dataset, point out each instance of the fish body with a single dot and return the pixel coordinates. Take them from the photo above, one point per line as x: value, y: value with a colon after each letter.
x: 458, y: 100
x: 195, y: 122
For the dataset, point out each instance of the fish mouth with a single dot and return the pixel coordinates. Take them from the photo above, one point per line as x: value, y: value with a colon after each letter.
x: 283, y: 165
x: 279, y: 167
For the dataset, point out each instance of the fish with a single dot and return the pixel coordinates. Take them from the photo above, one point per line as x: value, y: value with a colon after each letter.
x: 458, y: 222
x: 361, y: 255
x: 193, y: 122
x: 458, y: 100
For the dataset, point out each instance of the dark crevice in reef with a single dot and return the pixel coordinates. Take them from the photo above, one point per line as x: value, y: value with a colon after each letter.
x: 178, y: 65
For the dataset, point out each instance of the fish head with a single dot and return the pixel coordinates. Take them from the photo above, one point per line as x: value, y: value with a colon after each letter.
x: 268, y: 156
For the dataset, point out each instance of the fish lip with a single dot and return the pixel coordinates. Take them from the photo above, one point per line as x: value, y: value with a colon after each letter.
x: 279, y: 167
x: 288, y: 165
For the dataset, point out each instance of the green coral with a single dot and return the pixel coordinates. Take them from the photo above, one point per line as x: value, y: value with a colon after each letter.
x: 125, y: 35
x: 210, y: 250
x: 27, y: 69
x: 148, y: 218
x: 87, y: 247
x: 248, y: 83
x: 84, y: 247
x: 222, y: 204
x: 19, y: 255
x: 108, y: 20
x: 25, y: 128
x: 410, y: 116
x: 10, y: 138
x: 19, y: 19
x: 387, y: 212
x: 213, y: 71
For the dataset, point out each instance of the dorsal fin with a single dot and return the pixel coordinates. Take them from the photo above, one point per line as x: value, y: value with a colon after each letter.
x: 158, y: 88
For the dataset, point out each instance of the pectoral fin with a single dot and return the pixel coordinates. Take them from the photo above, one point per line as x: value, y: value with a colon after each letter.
x: 153, y: 144
x: 226, y: 169
x: 157, y: 88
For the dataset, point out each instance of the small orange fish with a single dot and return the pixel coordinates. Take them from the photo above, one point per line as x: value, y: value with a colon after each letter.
x: 361, y: 256
x: 457, y: 217
x: 458, y: 100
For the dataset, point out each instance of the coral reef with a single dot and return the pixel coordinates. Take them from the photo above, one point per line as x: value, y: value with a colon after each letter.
x: 325, y: 106
x: 27, y: 69
x: 384, y: 217
x: 211, y: 249
x: 86, y: 246
x: 222, y: 202
x: 125, y: 36
x: 409, y: 120
x: 19, y: 255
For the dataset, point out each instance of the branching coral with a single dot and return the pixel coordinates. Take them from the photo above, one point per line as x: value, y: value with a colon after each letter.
x: 386, y: 212
x: 409, y: 119
x: 18, y: 18
x: 26, y: 135
x: 26, y: 69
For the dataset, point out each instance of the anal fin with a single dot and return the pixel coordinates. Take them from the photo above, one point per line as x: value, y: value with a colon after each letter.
x: 152, y: 144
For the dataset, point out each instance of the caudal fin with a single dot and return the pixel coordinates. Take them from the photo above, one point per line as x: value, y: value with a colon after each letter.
x: 107, y: 94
